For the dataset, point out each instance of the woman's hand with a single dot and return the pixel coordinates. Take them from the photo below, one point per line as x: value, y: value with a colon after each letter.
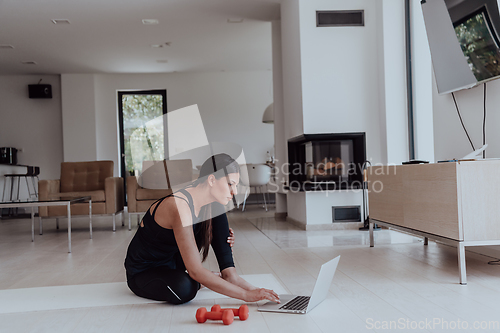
x: 230, y: 239
x: 260, y: 294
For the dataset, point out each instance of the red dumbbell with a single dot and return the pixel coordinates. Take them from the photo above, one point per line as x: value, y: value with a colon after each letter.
x: 241, y: 312
x: 202, y: 315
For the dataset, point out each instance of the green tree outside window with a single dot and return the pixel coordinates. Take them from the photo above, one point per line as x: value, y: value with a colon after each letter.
x: 143, y: 130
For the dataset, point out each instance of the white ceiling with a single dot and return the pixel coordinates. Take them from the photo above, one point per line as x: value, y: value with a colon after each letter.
x: 107, y: 36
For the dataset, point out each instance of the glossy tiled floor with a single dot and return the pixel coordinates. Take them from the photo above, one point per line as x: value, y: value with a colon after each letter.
x: 399, y: 283
x: 286, y: 235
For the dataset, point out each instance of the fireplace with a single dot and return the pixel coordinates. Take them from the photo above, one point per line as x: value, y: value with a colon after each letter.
x: 319, y: 162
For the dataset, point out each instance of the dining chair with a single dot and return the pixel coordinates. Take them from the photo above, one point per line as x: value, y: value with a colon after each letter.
x: 258, y: 175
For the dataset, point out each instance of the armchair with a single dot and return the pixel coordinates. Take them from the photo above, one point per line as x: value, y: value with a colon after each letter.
x: 158, y: 180
x: 94, y: 179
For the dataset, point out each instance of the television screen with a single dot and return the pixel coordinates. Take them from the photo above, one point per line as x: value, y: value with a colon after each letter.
x: 479, y: 44
x: 464, y: 42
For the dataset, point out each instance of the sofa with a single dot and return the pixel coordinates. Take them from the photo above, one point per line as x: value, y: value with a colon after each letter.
x: 78, y: 179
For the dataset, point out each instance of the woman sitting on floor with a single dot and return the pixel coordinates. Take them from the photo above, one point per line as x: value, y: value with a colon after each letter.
x: 163, y: 260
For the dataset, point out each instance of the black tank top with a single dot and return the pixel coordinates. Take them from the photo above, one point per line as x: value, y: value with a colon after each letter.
x: 154, y: 246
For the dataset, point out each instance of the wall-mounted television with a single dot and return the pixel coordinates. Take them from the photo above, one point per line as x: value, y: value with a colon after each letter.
x: 464, y: 42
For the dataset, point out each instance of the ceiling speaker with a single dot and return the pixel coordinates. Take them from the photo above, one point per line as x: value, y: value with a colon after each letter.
x: 40, y: 91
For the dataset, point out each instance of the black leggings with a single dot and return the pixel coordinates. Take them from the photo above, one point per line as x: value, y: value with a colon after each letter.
x: 164, y: 284
x: 174, y: 285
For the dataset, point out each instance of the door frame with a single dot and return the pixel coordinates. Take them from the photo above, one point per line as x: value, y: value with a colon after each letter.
x: 163, y: 92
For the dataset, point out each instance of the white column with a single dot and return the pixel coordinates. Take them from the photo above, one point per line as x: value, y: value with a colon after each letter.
x: 280, y: 143
x: 392, y: 60
x: 422, y: 87
x: 78, y: 117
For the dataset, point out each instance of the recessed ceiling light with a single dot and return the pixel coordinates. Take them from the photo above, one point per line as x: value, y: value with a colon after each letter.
x: 60, y: 21
x: 160, y: 45
x: 235, y: 20
x: 28, y: 62
x: 162, y: 61
x: 150, y: 21
x: 6, y: 46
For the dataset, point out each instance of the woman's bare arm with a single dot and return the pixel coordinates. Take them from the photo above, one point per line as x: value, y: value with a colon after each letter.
x: 229, y: 274
x: 186, y: 242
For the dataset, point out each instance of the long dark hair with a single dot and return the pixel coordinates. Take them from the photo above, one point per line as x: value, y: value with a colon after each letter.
x: 211, y: 166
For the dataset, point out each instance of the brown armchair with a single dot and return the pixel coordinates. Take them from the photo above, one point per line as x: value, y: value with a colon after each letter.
x: 94, y: 179
x: 162, y: 178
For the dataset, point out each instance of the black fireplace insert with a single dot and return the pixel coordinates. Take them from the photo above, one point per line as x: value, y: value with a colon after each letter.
x: 326, y: 161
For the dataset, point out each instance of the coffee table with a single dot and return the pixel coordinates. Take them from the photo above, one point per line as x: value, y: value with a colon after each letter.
x: 46, y: 203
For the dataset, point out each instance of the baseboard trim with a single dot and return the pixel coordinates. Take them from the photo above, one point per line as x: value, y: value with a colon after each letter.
x: 280, y: 216
x: 295, y: 223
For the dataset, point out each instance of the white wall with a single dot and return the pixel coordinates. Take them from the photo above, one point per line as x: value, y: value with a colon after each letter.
x: 33, y: 125
x: 297, y: 208
x: 340, y: 73
x: 78, y: 117
x: 450, y: 139
x: 332, y: 77
x: 353, y: 79
x: 319, y: 205
x: 291, y: 66
x: 231, y: 106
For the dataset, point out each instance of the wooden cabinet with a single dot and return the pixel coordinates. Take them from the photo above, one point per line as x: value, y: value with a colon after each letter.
x: 455, y: 202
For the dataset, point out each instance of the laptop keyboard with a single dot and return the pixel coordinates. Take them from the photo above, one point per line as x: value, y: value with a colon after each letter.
x: 297, y: 303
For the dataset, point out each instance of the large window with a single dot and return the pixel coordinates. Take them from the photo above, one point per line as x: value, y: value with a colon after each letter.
x: 141, y: 128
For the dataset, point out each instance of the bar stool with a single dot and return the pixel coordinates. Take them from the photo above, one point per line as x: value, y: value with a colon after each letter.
x: 32, y: 172
x: 35, y: 171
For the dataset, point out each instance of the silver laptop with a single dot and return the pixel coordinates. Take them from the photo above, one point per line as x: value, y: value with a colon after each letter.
x: 304, y: 304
